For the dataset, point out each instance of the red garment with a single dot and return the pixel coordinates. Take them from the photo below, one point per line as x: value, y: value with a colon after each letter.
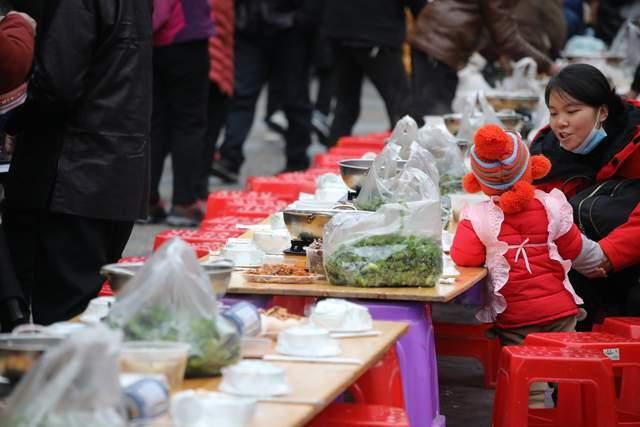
x: 532, y: 298
x: 221, y: 45
x: 620, y: 245
x: 16, y: 51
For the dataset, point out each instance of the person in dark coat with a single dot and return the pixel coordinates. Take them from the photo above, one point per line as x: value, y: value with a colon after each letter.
x: 79, y: 174
x: 17, y: 37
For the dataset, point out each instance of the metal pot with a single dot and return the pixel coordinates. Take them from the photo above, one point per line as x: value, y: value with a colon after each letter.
x: 513, y: 102
x: 354, y: 171
x: 307, y: 226
x: 219, y: 272
x: 19, y: 353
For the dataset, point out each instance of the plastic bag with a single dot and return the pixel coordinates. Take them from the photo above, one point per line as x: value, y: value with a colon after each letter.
x: 171, y: 299
x: 523, y: 78
x: 388, y: 181
x: 404, y: 134
x: 74, y: 384
x: 397, y: 246
x: 473, y: 117
x: 470, y: 82
x: 449, y: 161
x: 626, y: 45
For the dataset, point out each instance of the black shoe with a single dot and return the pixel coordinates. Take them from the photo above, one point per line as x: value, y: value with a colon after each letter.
x: 157, y: 214
x: 13, y: 312
x: 185, y: 215
x: 224, y: 171
x: 277, y: 122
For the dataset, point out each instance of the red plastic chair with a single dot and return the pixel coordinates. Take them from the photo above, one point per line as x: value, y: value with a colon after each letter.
x: 382, y: 383
x: 469, y: 340
x: 287, y: 189
x: 193, y: 236
x: 358, y: 415
x: 520, y: 366
x: 623, y: 352
x: 628, y: 327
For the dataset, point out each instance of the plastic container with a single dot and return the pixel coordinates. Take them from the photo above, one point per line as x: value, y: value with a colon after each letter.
x: 246, y: 317
x: 314, y: 260
x: 156, y: 357
x: 272, y: 242
x: 199, y: 409
x: 254, y: 348
x: 254, y: 378
x: 341, y: 315
x: 307, y: 341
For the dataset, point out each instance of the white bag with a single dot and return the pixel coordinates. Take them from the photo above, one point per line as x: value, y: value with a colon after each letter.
x: 74, y: 384
x: 626, y: 44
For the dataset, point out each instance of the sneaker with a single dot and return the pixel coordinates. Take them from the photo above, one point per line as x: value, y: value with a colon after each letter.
x: 278, y: 122
x: 185, y: 216
x: 157, y: 214
x: 224, y: 171
x: 320, y: 125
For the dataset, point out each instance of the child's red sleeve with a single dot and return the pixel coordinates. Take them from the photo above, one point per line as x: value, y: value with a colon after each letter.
x: 467, y: 250
x: 570, y: 243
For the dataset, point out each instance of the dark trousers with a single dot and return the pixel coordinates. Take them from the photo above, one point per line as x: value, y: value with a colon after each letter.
x: 179, y: 120
x: 216, y: 116
x: 58, y: 258
x: 9, y: 285
x: 258, y: 60
x: 433, y: 86
x: 383, y: 66
x: 617, y: 295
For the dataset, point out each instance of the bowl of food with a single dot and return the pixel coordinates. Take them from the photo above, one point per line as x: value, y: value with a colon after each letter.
x: 19, y: 353
x: 354, y: 171
x: 156, y: 357
x: 219, y: 272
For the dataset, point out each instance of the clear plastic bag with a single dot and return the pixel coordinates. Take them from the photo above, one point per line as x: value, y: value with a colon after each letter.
x: 626, y: 45
x: 397, y: 246
x: 388, y: 181
x: 74, y: 384
x: 448, y: 157
x: 171, y: 299
x: 523, y: 78
x: 476, y: 113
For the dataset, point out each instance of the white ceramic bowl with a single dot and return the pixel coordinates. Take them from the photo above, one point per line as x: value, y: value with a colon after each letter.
x: 254, y: 378
x: 198, y: 408
x: 341, y: 315
x: 272, y: 242
x: 307, y: 341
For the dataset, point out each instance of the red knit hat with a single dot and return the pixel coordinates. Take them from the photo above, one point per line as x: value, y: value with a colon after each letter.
x: 501, y: 165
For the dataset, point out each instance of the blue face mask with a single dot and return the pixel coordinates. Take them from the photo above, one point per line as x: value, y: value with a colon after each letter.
x: 594, y: 139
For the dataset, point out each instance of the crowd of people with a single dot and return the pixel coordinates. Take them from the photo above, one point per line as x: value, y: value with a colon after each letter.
x: 96, y: 95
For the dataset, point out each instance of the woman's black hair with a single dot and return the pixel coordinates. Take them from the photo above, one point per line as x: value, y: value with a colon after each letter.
x: 588, y: 85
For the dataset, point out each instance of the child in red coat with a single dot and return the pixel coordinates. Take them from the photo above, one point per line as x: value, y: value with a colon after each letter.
x: 526, y: 238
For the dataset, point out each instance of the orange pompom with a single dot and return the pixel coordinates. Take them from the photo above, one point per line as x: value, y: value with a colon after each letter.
x: 540, y: 166
x: 492, y: 143
x: 518, y: 198
x: 470, y: 183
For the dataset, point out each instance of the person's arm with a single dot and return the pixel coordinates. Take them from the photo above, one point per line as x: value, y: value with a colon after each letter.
x: 498, y: 16
x: 16, y: 50
x: 570, y: 243
x: 63, y: 60
x: 620, y: 246
x: 467, y: 250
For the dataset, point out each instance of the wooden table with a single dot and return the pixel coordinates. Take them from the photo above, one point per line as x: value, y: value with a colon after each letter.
x: 319, y: 382
x: 439, y: 294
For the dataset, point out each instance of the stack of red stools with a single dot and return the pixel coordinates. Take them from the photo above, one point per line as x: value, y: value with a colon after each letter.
x: 286, y: 187
x: 625, y: 357
x: 573, y: 369
x: 351, y: 152
x: 469, y: 340
x: 373, y: 141
x: 228, y: 223
x: 244, y: 204
x: 199, y: 239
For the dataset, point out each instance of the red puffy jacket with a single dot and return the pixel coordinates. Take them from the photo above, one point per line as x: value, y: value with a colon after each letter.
x: 532, y: 298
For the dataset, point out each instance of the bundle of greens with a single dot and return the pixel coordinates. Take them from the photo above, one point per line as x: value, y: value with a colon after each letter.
x: 450, y: 184
x: 214, y: 343
x: 389, y: 260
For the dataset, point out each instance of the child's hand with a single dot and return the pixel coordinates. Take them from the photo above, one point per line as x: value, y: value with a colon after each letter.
x: 592, y: 261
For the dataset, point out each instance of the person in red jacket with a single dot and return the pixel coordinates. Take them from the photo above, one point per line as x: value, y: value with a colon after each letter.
x: 592, y: 139
x: 526, y: 238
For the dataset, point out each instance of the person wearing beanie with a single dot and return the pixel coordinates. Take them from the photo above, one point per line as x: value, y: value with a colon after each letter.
x: 525, y: 237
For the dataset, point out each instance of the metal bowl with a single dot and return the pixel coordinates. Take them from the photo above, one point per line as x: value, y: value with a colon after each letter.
x: 18, y: 353
x: 510, y: 119
x: 513, y: 102
x: 219, y: 272
x: 354, y: 171
x: 307, y: 226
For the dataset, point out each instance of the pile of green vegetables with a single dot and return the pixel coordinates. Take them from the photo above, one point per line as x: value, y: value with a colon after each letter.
x: 390, y: 260
x: 450, y: 184
x: 215, y: 343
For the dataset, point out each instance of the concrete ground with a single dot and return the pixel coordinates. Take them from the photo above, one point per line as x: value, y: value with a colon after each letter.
x: 463, y: 400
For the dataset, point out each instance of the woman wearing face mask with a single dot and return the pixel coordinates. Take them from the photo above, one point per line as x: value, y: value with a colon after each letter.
x: 593, y: 142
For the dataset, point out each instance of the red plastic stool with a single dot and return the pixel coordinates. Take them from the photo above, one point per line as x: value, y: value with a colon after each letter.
x: 624, y: 326
x: 382, y: 383
x: 520, y: 366
x: 358, y: 415
x: 623, y: 352
x: 294, y: 305
x: 469, y: 340
x: 287, y: 189
x: 192, y: 236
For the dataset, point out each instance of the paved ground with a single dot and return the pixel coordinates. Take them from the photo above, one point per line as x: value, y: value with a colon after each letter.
x: 463, y: 400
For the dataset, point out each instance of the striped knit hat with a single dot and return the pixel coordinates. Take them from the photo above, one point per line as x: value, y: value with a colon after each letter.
x: 499, y: 159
